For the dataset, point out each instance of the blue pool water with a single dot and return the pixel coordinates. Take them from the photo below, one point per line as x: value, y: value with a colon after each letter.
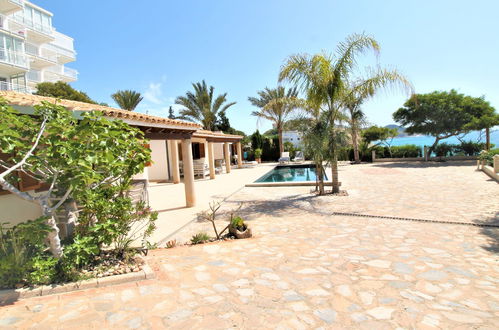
x: 291, y: 173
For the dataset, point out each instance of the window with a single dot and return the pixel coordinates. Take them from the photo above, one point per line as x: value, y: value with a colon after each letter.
x: 197, y: 150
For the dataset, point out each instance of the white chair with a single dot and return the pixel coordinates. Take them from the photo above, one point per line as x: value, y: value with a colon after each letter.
x: 284, y: 158
x: 299, y: 157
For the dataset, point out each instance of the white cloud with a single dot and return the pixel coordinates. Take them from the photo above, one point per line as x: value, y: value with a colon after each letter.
x: 155, y: 101
x: 154, y: 93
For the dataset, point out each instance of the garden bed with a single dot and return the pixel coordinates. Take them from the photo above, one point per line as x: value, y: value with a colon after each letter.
x: 98, y: 277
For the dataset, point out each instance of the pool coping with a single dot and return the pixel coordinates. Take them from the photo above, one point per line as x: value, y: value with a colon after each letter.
x: 287, y: 184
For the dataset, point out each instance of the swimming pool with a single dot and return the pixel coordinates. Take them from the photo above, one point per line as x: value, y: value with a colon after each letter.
x: 290, y: 173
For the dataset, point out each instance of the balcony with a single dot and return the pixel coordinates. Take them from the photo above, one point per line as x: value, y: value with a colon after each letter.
x: 11, y: 6
x: 63, y: 55
x: 12, y: 26
x: 36, y: 32
x: 7, y: 86
x: 60, y: 72
x: 39, y: 59
x: 13, y: 62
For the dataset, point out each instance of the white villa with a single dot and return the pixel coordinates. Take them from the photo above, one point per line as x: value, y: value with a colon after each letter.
x: 293, y: 137
x: 31, y: 50
x: 181, y: 152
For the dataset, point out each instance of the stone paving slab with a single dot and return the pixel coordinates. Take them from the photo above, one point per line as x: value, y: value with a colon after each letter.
x: 305, y: 269
x: 305, y: 273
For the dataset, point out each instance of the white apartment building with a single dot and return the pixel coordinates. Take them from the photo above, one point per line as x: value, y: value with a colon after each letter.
x: 31, y: 50
x: 293, y: 137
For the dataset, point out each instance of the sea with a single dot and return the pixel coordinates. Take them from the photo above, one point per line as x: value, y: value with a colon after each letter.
x: 425, y: 140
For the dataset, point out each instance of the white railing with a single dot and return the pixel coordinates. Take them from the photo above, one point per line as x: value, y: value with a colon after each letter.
x: 62, y: 70
x: 34, y: 50
x: 19, y: 2
x: 7, y: 86
x: 60, y: 50
x: 14, y: 58
x: 32, y: 25
x: 9, y: 25
x: 34, y: 75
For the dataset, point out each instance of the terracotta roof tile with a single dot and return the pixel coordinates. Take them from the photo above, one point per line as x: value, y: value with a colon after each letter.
x: 21, y: 99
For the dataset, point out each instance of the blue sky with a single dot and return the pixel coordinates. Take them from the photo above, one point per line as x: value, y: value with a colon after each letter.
x: 159, y: 47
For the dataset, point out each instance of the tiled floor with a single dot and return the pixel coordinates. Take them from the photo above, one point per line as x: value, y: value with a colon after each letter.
x: 308, y: 269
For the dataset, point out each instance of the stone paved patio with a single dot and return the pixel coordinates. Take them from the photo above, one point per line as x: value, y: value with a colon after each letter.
x: 307, y: 269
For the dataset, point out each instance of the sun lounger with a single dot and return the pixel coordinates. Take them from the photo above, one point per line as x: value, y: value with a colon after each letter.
x: 284, y: 158
x: 299, y: 157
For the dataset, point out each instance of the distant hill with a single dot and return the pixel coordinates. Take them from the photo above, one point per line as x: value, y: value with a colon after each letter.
x: 400, y: 129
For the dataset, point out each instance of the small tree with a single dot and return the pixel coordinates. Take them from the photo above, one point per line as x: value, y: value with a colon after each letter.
x: 383, y: 135
x: 62, y: 90
x: 68, y: 155
x: 256, y: 140
x: 171, y: 114
x: 443, y: 114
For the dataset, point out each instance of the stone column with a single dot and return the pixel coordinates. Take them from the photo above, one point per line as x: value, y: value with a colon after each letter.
x: 190, y: 195
x: 425, y: 153
x: 175, y: 167
x: 227, y: 157
x: 211, y: 160
x: 239, y: 155
x: 373, y: 153
x: 496, y: 163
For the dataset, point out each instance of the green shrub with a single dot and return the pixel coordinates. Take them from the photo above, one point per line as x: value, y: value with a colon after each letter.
x: 405, y: 151
x: 23, y: 256
x: 444, y: 150
x: 258, y: 153
x: 237, y: 222
x: 200, y: 238
x: 469, y: 148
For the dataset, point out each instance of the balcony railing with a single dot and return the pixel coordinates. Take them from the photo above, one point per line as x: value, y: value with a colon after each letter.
x: 35, y: 51
x: 19, y: 2
x: 9, y: 25
x: 69, y: 72
x: 62, y: 70
x: 32, y: 25
x: 7, y: 86
x: 59, y: 50
x: 13, y: 58
x: 34, y: 75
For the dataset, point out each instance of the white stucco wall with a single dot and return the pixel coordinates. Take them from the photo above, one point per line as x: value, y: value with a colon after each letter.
x: 15, y: 210
x: 159, y: 168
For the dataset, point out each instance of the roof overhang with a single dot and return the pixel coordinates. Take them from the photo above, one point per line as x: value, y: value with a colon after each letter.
x: 217, y: 136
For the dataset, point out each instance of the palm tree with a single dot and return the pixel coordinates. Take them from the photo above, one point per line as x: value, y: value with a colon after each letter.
x: 356, y: 118
x: 276, y: 105
x: 127, y: 99
x: 324, y: 78
x: 201, y: 107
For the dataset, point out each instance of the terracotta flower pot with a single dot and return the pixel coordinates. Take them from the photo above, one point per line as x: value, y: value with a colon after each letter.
x: 258, y: 160
x: 240, y: 234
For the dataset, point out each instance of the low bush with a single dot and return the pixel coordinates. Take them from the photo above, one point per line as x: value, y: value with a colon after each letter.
x: 23, y: 256
x: 200, y: 238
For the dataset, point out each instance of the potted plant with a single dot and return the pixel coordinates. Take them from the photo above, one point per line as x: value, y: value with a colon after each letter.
x: 238, y: 228
x: 258, y: 155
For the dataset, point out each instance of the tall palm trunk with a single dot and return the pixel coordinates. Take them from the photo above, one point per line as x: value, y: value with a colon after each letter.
x: 355, y: 143
x: 320, y: 176
x: 487, y: 138
x: 281, y: 145
x: 334, y: 174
